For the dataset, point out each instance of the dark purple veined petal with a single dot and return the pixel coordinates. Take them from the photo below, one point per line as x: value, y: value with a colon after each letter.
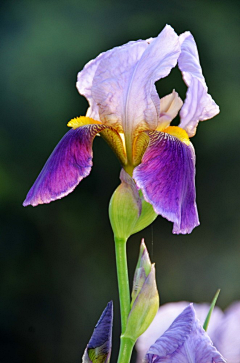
x: 184, y: 342
x: 100, y: 343
x: 69, y: 163
x: 167, y: 179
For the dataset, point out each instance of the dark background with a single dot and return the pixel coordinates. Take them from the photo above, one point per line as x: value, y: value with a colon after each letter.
x: 57, y: 260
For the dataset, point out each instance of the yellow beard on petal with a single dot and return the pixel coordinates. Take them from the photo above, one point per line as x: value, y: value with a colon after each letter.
x: 179, y: 133
x: 140, y: 144
x: 81, y: 121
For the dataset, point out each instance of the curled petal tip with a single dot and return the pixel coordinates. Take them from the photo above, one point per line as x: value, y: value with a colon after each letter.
x: 199, y: 105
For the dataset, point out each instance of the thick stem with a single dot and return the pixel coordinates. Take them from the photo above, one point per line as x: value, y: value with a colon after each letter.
x: 123, y: 282
x: 126, y: 348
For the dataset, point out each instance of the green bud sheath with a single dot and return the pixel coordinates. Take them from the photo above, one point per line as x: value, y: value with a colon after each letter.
x: 147, y: 216
x: 144, y: 308
x: 124, y: 207
x: 142, y: 270
x: 145, y: 299
x: 129, y: 213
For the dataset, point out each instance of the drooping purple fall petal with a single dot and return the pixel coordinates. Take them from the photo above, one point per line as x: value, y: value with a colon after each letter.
x: 199, y: 105
x: 99, y: 347
x: 69, y: 163
x: 166, y: 177
x: 184, y: 342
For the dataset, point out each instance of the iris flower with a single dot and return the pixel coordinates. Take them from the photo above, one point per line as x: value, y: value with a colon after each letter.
x: 223, y: 328
x: 184, y: 342
x: 125, y: 109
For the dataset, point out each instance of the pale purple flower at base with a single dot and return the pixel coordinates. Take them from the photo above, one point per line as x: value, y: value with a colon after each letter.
x: 184, y: 342
x: 126, y: 110
x: 223, y: 329
x: 226, y: 335
x: 99, y: 347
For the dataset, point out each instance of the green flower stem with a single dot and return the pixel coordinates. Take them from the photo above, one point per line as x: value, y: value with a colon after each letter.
x: 126, y: 348
x: 123, y: 282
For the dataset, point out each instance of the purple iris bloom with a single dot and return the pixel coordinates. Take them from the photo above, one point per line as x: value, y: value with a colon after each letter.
x: 184, y: 342
x: 125, y: 109
x: 223, y: 328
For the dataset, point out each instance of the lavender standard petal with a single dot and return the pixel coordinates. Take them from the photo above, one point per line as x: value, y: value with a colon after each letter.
x: 95, y: 72
x: 167, y: 179
x: 69, y: 163
x: 120, y: 83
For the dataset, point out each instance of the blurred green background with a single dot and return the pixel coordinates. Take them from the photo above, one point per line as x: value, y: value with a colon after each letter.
x: 57, y: 260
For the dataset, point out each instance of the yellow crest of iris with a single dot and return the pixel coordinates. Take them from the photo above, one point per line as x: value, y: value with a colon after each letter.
x: 179, y: 133
x: 81, y: 121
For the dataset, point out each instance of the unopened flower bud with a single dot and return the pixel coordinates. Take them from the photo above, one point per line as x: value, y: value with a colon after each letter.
x: 99, y: 347
x: 145, y: 299
x: 128, y: 211
x: 125, y: 207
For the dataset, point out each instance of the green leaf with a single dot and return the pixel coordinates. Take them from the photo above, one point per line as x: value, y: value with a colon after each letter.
x: 124, y: 207
x: 207, y: 320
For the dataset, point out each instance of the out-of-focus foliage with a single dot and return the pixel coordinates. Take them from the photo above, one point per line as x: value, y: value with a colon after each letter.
x: 57, y: 260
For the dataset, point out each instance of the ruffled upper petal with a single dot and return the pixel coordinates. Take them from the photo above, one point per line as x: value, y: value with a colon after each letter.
x: 102, y: 81
x: 199, y: 105
x: 120, y: 82
x: 184, y: 342
x: 69, y: 163
x: 167, y: 179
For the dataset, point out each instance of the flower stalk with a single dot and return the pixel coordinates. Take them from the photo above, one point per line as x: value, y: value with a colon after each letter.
x: 126, y: 348
x: 123, y: 281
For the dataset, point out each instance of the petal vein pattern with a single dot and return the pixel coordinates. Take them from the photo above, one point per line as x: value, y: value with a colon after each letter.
x: 122, y: 83
x: 167, y: 179
x: 184, y: 342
